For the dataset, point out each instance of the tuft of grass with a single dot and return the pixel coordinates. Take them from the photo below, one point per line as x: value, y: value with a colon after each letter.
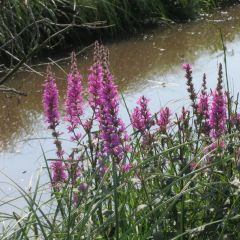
x: 24, y: 25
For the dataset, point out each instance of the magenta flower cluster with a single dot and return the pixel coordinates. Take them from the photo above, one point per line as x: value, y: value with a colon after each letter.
x: 74, y: 98
x: 164, y: 119
x: 203, y: 102
x: 112, y: 129
x: 103, y: 98
x: 214, y: 113
x: 95, y: 81
x: 52, y: 116
x: 141, y: 117
x: 50, y: 100
x: 202, y: 106
x: 59, y: 174
x: 112, y: 136
x: 187, y: 67
x: 218, y: 117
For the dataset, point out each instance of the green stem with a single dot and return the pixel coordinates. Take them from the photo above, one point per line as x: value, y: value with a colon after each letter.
x: 182, y: 216
x: 115, y: 185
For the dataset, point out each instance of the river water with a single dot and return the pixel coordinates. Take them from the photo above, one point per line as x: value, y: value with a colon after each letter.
x: 146, y: 64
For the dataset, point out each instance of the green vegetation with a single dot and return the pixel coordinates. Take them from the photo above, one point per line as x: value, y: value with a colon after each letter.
x: 25, y: 25
x: 165, y: 176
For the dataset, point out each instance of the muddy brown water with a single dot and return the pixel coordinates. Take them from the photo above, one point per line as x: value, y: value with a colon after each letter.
x: 146, y: 64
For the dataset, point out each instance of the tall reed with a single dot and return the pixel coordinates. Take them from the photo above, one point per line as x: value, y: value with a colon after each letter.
x: 24, y: 25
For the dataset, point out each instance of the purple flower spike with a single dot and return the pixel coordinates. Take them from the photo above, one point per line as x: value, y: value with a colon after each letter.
x: 141, y: 116
x: 190, y: 87
x: 50, y: 100
x: 164, y: 119
x: 217, y: 118
x: 112, y: 129
x: 74, y: 99
x: 202, y: 106
x: 58, y: 172
x: 51, y: 109
x: 187, y: 67
x: 95, y: 81
x: 203, y: 100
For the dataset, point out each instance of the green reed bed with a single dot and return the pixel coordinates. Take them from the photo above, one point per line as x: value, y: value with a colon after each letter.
x: 25, y: 25
x: 165, y: 176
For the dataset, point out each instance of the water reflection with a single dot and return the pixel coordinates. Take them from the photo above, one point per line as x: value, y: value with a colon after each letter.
x: 149, y: 60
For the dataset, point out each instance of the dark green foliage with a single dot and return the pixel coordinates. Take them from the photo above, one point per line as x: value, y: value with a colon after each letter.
x: 24, y: 25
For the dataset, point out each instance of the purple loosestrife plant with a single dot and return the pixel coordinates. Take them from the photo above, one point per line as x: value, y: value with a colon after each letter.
x: 100, y: 176
x: 190, y: 87
x: 58, y: 172
x: 203, y: 113
x: 104, y: 100
x: 95, y: 85
x: 74, y: 99
x: 202, y: 106
x: 183, y: 121
x: 164, y: 119
x: 203, y: 101
x: 218, y: 117
x: 95, y: 81
x: 52, y: 115
x: 103, y: 59
x: 141, y: 117
x: 50, y: 100
x: 204, y: 84
x: 74, y: 112
x: 112, y: 129
x: 203, y: 109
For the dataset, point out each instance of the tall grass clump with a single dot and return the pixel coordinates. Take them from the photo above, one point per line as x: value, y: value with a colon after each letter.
x: 26, y: 25
x: 165, y: 176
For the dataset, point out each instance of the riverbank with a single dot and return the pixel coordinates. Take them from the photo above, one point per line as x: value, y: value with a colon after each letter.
x: 27, y: 30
